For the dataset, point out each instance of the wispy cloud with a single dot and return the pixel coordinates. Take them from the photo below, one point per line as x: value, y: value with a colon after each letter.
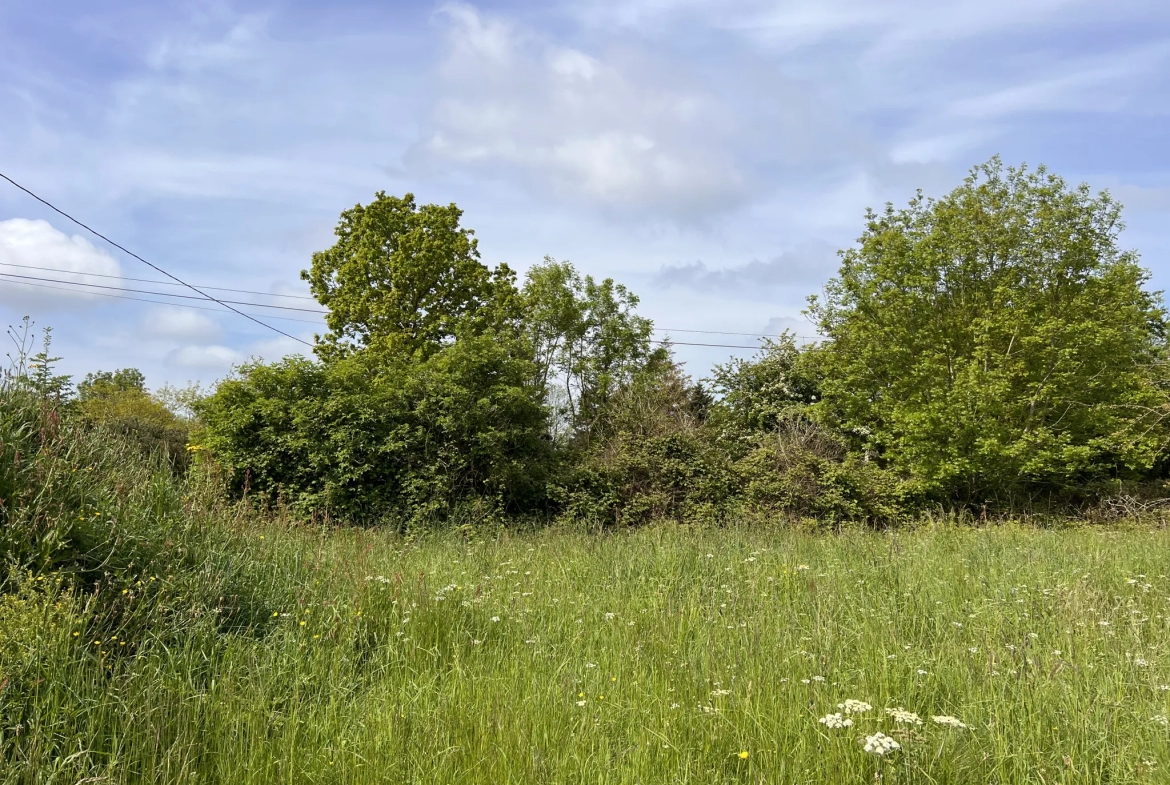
x: 800, y: 268
x: 614, y: 129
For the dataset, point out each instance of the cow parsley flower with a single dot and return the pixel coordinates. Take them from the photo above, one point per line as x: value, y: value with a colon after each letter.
x: 880, y: 744
x: 851, y: 706
x: 903, y: 717
x: 953, y: 722
x: 835, y: 721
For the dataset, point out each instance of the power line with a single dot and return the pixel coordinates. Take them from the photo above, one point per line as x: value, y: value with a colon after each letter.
x: 151, y: 280
x: 716, y: 345
x: 156, y: 302
x: 154, y: 267
x: 303, y: 321
x: 721, y: 332
x: 158, y: 294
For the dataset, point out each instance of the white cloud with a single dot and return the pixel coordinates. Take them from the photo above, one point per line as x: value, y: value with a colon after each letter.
x: 181, y: 324
x: 216, y: 359
x: 26, y: 244
x: 618, y: 130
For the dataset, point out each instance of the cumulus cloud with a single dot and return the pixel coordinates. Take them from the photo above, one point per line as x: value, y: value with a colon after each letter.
x: 27, y: 244
x: 181, y: 324
x: 615, y: 130
x: 809, y: 264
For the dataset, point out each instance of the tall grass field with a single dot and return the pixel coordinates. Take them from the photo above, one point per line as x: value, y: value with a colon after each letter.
x: 151, y: 632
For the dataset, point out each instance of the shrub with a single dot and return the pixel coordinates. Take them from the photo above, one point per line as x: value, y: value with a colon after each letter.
x: 370, y: 440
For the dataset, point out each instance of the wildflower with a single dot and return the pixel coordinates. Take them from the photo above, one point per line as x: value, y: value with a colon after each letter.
x: 880, y: 744
x: 903, y: 717
x: 851, y: 706
x: 921, y: 672
x: 802, y: 567
x: 835, y: 721
x: 610, y: 616
x: 591, y: 665
x: 743, y: 755
x: 954, y: 722
x: 1161, y: 719
x: 673, y: 706
x: 581, y: 703
x: 818, y: 678
x: 495, y: 618
x: 718, y: 693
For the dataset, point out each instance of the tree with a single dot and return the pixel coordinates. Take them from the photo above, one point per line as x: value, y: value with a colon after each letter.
x: 756, y: 395
x: 587, y: 339
x: 406, y: 279
x: 994, y: 342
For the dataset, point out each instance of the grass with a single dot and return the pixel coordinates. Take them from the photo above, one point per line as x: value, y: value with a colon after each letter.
x: 149, y: 632
x: 654, y: 656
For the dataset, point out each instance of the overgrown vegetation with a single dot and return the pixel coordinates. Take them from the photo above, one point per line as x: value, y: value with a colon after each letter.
x: 992, y: 350
x: 183, y: 599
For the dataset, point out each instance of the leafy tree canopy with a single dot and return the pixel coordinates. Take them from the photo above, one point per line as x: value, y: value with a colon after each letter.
x: 406, y: 279
x: 587, y: 338
x: 994, y: 341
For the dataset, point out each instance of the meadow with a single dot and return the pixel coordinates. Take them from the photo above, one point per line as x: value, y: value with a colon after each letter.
x: 1002, y: 654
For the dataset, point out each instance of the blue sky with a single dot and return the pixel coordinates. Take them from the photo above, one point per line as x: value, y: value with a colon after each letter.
x: 711, y: 155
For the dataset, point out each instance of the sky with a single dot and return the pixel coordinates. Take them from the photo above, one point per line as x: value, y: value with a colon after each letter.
x: 713, y: 156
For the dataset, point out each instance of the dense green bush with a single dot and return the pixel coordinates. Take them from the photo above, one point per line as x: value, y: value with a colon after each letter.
x: 368, y: 440
x: 118, y: 402
x: 650, y: 457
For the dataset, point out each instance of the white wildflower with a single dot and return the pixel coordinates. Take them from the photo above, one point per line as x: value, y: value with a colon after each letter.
x: 954, y: 722
x: 1161, y: 719
x: 880, y: 744
x: 903, y: 717
x: 835, y: 721
x: 851, y: 706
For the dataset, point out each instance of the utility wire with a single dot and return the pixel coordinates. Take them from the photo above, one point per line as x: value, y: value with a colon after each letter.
x: 721, y: 332
x: 153, y: 281
x: 290, y: 319
x: 158, y: 294
x: 157, y: 302
x: 716, y: 345
x: 154, y: 267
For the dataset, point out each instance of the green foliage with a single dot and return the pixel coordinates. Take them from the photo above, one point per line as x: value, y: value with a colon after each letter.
x: 650, y: 457
x: 994, y: 343
x: 117, y: 402
x: 800, y: 469
x: 87, y: 506
x: 368, y: 440
x: 37, y: 372
x: 108, y: 384
x: 757, y: 395
x: 588, y: 342
x: 403, y: 279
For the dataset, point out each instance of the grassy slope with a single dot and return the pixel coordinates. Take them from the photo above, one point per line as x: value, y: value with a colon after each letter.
x: 701, y: 643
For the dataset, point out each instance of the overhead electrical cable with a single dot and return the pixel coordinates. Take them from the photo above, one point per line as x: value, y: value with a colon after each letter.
x: 157, y: 302
x: 158, y: 294
x: 154, y: 267
x: 153, y: 281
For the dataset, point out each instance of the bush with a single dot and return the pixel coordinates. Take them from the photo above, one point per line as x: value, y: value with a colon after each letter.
x: 86, y: 505
x: 801, y: 469
x: 650, y: 456
x: 370, y: 440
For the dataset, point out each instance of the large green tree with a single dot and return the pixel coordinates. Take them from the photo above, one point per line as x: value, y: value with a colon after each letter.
x: 588, y: 341
x: 995, y: 342
x: 406, y: 279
